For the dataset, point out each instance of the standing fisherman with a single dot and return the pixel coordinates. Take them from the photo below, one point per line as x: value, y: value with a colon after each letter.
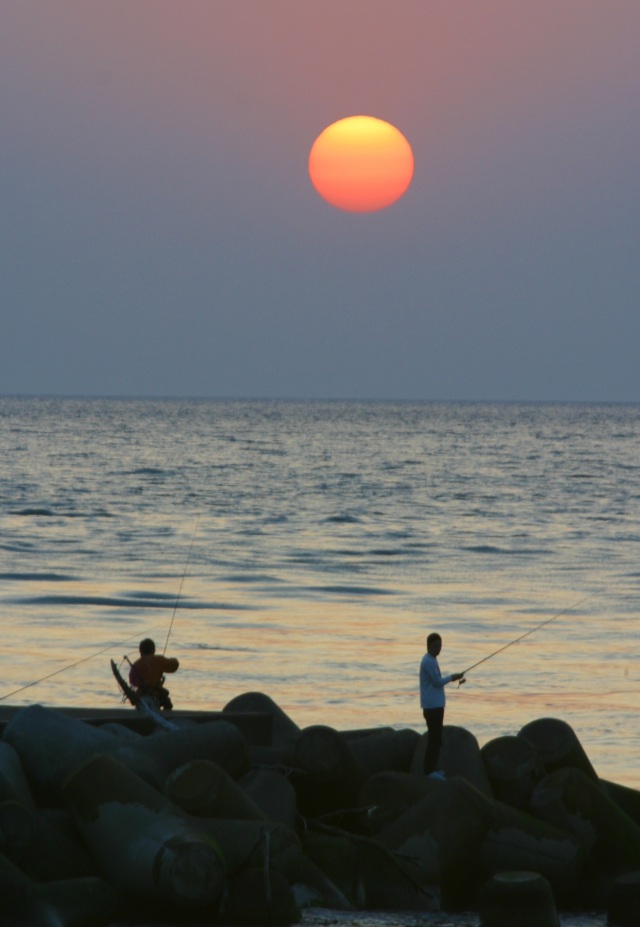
x: 147, y: 673
x: 432, y: 701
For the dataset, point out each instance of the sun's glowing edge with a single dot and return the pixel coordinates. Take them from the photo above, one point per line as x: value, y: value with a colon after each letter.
x: 361, y: 164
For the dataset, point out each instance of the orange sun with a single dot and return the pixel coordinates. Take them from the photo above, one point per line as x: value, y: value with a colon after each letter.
x: 361, y: 164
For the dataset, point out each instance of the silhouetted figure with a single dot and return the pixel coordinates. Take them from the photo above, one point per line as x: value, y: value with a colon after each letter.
x: 147, y: 673
x: 432, y: 702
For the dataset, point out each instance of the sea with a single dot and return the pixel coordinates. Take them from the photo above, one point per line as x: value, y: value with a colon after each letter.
x: 306, y: 548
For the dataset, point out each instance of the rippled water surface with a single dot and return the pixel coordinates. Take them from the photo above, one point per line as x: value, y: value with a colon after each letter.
x: 305, y: 550
x: 324, y: 540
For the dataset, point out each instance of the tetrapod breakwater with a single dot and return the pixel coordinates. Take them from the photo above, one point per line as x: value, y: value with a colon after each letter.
x: 242, y: 817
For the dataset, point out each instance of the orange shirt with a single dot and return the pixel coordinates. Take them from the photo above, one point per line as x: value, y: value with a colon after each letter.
x: 150, y: 669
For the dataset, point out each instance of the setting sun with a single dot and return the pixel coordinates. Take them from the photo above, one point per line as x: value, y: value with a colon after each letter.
x: 361, y: 164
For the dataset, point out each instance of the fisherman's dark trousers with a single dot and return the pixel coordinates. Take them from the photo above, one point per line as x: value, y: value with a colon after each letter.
x: 435, y: 720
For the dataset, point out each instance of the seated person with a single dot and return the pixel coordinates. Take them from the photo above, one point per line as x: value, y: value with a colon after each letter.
x: 147, y: 673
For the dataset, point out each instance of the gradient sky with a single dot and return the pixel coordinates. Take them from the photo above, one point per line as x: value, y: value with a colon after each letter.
x: 161, y: 236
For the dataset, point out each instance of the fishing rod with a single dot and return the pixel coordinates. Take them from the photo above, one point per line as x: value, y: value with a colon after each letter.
x: 526, y: 634
x: 68, y: 667
x: 111, y: 646
x: 186, y: 567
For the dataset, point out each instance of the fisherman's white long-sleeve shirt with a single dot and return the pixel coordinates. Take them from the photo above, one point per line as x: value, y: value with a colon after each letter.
x: 432, y: 683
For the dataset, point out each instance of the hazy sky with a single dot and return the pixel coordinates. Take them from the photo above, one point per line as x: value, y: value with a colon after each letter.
x: 160, y: 235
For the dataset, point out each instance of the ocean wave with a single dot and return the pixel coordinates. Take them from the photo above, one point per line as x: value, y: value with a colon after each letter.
x: 43, y: 512
x: 39, y: 577
x: 123, y: 602
x: 352, y: 590
x: 509, y: 551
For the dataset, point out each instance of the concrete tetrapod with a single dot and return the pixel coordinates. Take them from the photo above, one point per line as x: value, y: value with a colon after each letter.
x: 42, y: 851
x: 500, y: 837
x: 51, y: 744
x: 17, y: 830
x: 514, y: 768
x: 572, y: 801
x: 16, y: 888
x: 626, y: 798
x: 252, y: 843
x: 283, y: 729
x: 13, y: 782
x: 82, y: 902
x: 557, y: 745
x: 64, y: 903
x: 519, y: 841
x: 517, y: 898
x: 124, y: 733
x: 327, y: 775
x: 384, y: 750
x: 442, y: 835
x: 143, y: 848
x: 370, y: 875
x: 387, y: 795
x: 459, y: 756
x: 273, y: 794
x: 270, y: 845
x: 623, y: 902
x: 219, y: 741
x: 256, y: 896
x: 203, y: 788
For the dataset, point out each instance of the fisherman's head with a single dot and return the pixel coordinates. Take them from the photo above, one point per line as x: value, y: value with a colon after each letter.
x: 434, y: 644
x: 147, y: 647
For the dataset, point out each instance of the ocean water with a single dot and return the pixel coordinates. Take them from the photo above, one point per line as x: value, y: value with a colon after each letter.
x: 305, y: 549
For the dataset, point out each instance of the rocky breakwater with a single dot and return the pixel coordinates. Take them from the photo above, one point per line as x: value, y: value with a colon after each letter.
x: 201, y: 825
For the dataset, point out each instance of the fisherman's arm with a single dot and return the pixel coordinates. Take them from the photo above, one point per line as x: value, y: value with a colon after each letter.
x: 170, y: 664
x: 438, y: 681
x: 433, y: 675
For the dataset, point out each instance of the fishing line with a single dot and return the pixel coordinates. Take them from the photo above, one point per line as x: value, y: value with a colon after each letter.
x: 111, y: 646
x: 527, y: 633
x: 186, y: 567
x: 70, y: 666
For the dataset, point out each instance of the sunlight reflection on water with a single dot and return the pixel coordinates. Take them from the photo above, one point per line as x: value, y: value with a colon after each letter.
x: 331, y: 538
